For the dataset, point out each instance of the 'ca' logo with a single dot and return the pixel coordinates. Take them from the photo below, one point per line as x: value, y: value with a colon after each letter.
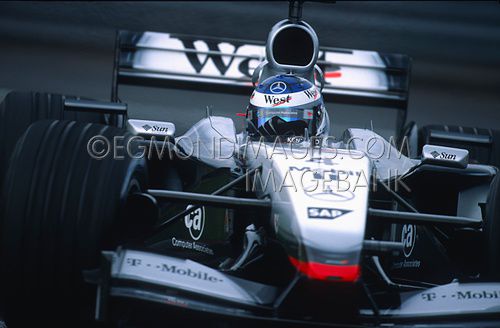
x: 195, y: 222
x: 408, y: 236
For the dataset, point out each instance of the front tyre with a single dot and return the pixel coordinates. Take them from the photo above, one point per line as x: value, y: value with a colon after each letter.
x: 60, y: 208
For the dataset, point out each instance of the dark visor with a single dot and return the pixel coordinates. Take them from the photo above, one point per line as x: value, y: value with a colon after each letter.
x: 283, y: 121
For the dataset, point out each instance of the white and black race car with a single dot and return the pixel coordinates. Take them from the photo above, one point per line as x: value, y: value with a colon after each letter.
x: 120, y: 221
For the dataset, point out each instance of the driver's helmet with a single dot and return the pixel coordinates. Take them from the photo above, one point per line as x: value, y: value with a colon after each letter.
x: 286, y: 106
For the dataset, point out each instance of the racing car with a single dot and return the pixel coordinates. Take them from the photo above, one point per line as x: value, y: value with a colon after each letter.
x: 120, y: 221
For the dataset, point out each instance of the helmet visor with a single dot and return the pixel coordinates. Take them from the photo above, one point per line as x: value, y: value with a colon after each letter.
x: 283, y: 121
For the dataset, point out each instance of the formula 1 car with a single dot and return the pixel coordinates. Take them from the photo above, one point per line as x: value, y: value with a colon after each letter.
x: 121, y: 221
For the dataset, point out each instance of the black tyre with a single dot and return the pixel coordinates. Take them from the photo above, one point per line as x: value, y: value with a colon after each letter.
x: 61, y: 208
x: 492, y: 230
x: 19, y: 109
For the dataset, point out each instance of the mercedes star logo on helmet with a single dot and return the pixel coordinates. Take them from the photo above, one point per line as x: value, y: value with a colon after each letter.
x: 278, y: 87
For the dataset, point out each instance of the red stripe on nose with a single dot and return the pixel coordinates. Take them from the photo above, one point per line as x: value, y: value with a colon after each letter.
x: 321, y: 271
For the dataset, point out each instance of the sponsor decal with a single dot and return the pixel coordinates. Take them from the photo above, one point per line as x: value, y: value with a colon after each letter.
x: 332, y: 196
x: 325, y: 213
x: 312, y: 93
x: 408, y: 238
x: 444, y: 155
x: 236, y: 59
x: 276, y: 100
x: 268, y: 113
x: 406, y: 264
x: 155, y: 128
x: 192, y: 245
x: 333, y: 172
x: 195, y: 222
x: 325, y: 191
x: 217, y: 60
x: 463, y: 295
x: 294, y: 99
x: 450, y: 157
x: 173, y: 269
x: 294, y: 139
x: 278, y: 87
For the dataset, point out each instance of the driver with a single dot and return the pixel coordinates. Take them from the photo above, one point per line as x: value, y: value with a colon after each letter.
x: 286, y: 106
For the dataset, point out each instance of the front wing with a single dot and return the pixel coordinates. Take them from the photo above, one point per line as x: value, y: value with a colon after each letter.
x: 130, y: 276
